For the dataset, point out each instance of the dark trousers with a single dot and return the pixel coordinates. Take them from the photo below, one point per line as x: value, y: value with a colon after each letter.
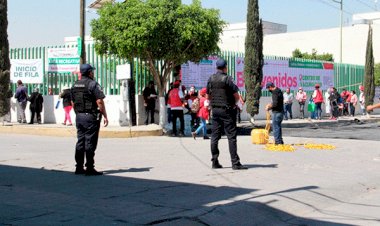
x: 34, y: 113
x: 194, y: 121
x: 224, y: 119
x: 288, y: 108
x: 87, y: 133
x: 352, y: 109
x: 178, y: 114
x: 302, y: 109
x: 318, y: 110
x: 149, y: 110
x: 277, y: 118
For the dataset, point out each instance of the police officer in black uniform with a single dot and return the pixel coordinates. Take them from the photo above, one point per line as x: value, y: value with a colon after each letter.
x: 89, y: 107
x: 223, y: 95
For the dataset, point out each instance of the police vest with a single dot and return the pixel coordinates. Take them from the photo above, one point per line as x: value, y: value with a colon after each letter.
x: 221, y: 96
x: 84, y: 101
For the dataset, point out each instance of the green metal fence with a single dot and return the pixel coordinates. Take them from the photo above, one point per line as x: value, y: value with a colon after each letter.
x: 346, y: 76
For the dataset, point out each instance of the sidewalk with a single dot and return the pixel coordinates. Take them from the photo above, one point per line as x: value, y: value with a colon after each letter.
x: 156, y: 130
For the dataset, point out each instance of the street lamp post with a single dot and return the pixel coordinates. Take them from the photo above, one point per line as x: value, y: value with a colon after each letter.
x: 82, y: 31
x: 341, y: 30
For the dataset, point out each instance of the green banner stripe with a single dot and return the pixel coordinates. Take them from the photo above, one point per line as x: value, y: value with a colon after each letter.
x: 304, y: 64
x: 63, y: 61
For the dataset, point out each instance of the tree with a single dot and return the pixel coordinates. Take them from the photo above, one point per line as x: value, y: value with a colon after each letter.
x: 377, y: 74
x: 156, y: 31
x: 254, y: 60
x: 313, y: 56
x: 4, y: 60
x: 369, y: 79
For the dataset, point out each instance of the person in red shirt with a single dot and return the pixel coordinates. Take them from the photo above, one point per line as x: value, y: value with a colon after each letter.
x: 346, y: 97
x: 175, y: 101
x: 318, y: 100
x: 203, y: 114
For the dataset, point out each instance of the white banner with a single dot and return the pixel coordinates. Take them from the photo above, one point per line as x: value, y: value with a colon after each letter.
x: 28, y: 71
x: 197, y: 74
x: 63, y: 60
x: 291, y: 74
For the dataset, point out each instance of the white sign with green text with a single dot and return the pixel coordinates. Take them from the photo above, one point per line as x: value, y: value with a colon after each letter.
x: 63, y: 60
x: 28, y: 71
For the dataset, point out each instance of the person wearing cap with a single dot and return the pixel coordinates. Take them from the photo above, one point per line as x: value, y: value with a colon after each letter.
x: 223, y: 95
x: 175, y: 100
x: 21, y: 96
x: 89, y: 107
x: 36, y: 104
x: 318, y: 100
x: 150, y: 97
x: 277, y: 108
x: 301, y: 98
x: 67, y: 105
x: 203, y: 114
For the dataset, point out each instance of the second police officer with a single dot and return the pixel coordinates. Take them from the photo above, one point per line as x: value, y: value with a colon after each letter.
x: 223, y: 95
x: 87, y: 97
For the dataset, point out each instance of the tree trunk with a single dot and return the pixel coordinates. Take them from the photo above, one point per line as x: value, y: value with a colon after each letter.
x: 5, y: 65
x: 369, y: 78
x: 254, y: 60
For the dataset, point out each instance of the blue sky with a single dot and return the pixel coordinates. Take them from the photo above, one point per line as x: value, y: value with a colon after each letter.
x: 47, y: 22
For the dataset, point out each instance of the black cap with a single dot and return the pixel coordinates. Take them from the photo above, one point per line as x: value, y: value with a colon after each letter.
x: 269, y: 84
x: 86, y: 68
x: 221, y: 63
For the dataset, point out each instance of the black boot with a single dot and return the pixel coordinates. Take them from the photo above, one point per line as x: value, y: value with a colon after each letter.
x: 80, y: 170
x: 239, y: 166
x: 216, y: 165
x: 93, y: 172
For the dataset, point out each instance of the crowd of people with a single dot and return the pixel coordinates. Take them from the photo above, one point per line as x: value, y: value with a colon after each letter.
x: 336, y: 104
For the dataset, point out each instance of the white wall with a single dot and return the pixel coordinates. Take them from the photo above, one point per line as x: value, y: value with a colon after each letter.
x: 324, y: 41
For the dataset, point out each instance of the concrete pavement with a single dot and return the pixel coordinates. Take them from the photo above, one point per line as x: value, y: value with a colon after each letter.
x: 168, y: 181
x: 155, y: 130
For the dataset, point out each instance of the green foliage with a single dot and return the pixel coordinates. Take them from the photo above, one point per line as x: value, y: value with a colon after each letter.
x: 369, y: 79
x: 313, y: 56
x: 157, y: 30
x: 5, y: 65
x: 377, y: 74
x: 254, y: 59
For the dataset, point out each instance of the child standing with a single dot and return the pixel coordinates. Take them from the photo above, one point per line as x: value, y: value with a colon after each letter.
x: 203, y: 114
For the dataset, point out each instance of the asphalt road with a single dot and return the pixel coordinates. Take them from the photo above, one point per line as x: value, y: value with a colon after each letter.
x: 347, y: 130
x: 168, y: 181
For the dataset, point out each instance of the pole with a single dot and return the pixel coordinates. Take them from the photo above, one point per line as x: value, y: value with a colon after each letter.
x: 341, y: 31
x: 82, y: 31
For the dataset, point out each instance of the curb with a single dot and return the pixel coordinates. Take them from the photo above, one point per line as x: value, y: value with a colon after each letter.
x: 71, y: 132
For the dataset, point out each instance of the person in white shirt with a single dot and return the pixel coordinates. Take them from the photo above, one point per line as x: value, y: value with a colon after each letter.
x: 288, y: 102
x: 301, y: 98
x: 327, y: 103
x: 362, y: 100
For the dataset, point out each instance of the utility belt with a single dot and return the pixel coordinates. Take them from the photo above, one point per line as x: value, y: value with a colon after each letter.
x: 224, y: 107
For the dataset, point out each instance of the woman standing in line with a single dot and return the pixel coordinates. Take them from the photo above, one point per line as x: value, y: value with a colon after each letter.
x: 203, y: 114
x: 67, y: 104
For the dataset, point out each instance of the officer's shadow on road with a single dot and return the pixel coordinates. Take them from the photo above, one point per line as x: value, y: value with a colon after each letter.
x: 130, y: 170
x: 31, y: 196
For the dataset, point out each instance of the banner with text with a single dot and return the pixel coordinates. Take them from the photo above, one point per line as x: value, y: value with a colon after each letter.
x: 63, y: 60
x: 28, y: 71
x: 197, y: 74
x: 291, y: 73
